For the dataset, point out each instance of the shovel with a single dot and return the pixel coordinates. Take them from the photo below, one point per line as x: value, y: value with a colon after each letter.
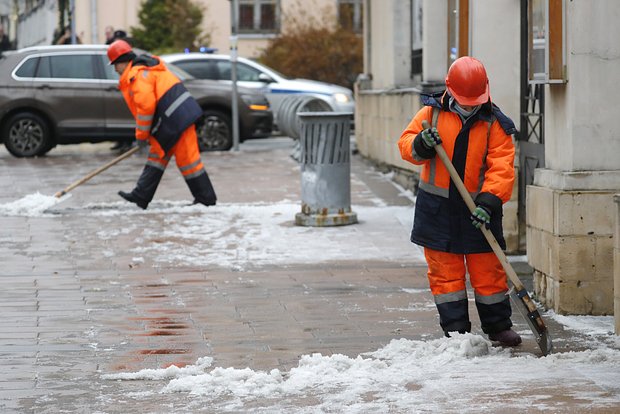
x: 97, y: 171
x: 518, y: 294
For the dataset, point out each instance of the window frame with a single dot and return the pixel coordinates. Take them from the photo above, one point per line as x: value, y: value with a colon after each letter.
x: 457, y: 28
x: 553, y: 42
x: 257, y: 18
x: 357, y: 18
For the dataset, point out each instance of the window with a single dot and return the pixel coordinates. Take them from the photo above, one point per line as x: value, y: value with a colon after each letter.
x: 201, y: 69
x: 66, y: 67
x: 108, y: 70
x: 27, y: 68
x: 351, y: 15
x: 259, y: 16
x: 546, y: 41
x: 247, y: 73
x: 458, y: 29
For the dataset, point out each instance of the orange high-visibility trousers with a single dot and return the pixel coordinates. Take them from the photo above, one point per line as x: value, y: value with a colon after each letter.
x: 447, y: 279
x: 185, y: 151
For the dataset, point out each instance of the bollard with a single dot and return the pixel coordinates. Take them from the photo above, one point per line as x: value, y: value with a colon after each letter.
x: 325, y: 169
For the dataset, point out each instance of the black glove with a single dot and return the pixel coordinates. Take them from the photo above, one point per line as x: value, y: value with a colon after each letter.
x: 481, y: 215
x: 142, y: 143
x: 430, y: 137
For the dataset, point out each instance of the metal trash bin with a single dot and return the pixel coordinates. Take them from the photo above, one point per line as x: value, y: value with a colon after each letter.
x: 325, y: 169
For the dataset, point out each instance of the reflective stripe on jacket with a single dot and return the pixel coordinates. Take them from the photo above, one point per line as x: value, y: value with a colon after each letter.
x: 482, y: 152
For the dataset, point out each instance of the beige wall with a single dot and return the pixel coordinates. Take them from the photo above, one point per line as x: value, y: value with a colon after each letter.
x: 123, y: 14
x: 120, y: 14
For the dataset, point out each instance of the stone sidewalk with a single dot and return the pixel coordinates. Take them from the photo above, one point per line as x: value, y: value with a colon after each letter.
x: 75, y: 305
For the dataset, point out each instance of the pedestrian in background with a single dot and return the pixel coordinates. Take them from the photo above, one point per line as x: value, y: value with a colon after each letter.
x: 165, y: 113
x: 477, y: 137
x: 5, y: 43
x: 109, y: 35
x: 65, y: 38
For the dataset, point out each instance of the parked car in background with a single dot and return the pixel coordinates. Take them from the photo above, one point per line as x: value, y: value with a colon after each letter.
x: 254, y: 75
x: 53, y: 95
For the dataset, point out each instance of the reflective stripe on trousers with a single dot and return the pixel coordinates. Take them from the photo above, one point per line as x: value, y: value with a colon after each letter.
x: 447, y: 278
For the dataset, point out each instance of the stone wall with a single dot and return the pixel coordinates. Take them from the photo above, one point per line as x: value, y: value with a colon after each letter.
x: 570, y: 246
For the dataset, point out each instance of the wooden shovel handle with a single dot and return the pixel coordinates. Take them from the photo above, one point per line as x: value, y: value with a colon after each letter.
x: 97, y: 171
x: 456, y: 179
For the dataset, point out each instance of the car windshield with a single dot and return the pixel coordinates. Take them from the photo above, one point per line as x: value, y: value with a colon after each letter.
x: 280, y: 74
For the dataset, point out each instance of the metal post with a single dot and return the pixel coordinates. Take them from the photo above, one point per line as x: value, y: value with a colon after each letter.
x: 72, y: 21
x: 94, y: 35
x: 233, y: 73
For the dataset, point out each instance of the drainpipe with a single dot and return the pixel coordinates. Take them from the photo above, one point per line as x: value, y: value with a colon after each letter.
x: 72, y: 20
x: 93, y: 22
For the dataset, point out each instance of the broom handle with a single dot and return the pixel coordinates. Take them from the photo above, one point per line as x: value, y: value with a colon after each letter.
x: 97, y: 171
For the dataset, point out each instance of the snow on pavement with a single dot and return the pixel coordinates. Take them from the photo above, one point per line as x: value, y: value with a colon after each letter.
x: 460, y: 374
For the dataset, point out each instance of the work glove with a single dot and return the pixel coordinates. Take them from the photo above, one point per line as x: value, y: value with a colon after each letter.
x: 481, y: 215
x: 430, y: 137
x: 142, y: 143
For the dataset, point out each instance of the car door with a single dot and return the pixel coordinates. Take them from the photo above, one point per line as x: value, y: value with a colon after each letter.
x: 250, y: 77
x: 66, y: 88
x: 119, y: 123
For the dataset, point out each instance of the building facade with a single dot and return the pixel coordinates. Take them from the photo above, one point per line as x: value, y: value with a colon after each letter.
x: 258, y: 20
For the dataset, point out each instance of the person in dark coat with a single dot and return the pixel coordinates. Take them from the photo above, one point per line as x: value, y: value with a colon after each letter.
x: 477, y: 137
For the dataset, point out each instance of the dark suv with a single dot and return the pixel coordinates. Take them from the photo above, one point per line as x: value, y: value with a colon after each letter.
x: 53, y: 95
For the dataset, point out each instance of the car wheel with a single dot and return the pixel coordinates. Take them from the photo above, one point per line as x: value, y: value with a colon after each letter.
x: 27, y: 135
x: 214, y: 131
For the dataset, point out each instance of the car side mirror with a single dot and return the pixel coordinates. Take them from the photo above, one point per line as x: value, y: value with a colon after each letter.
x: 263, y: 77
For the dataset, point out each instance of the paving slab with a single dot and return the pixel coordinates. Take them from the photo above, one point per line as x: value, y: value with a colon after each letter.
x: 79, y: 299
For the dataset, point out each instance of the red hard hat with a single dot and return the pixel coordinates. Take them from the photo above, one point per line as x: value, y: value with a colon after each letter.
x: 117, y: 49
x: 467, y: 81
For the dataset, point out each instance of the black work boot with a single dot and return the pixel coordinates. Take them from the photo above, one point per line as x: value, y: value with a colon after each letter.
x: 202, y: 189
x: 145, y: 187
x: 132, y: 198
x: 506, y: 338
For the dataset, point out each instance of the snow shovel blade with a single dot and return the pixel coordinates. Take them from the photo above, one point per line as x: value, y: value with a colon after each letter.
x: 527, y: 308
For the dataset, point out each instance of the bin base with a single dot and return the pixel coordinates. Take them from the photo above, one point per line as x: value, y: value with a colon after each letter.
x: 325, y: 220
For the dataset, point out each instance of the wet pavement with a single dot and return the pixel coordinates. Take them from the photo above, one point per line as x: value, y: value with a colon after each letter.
x: 86, y: 291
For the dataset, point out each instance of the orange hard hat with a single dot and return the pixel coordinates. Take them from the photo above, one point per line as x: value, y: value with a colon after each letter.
x: 117, y: 49
x: 467, y: 81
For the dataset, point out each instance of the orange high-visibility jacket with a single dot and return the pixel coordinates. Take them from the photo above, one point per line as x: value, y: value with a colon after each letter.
x: 482, y: 152
x: 159, y: 102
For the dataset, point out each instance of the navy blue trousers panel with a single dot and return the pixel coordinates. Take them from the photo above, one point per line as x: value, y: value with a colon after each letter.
x: 202, y: 189
x: 454, y: 316
x: 496, y: 317
x: 147, y: 183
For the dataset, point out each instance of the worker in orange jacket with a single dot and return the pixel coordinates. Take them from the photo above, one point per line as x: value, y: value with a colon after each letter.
x: 477, y: 137
x: 165, y: 114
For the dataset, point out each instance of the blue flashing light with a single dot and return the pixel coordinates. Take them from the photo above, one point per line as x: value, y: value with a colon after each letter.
x: 205, y: 49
